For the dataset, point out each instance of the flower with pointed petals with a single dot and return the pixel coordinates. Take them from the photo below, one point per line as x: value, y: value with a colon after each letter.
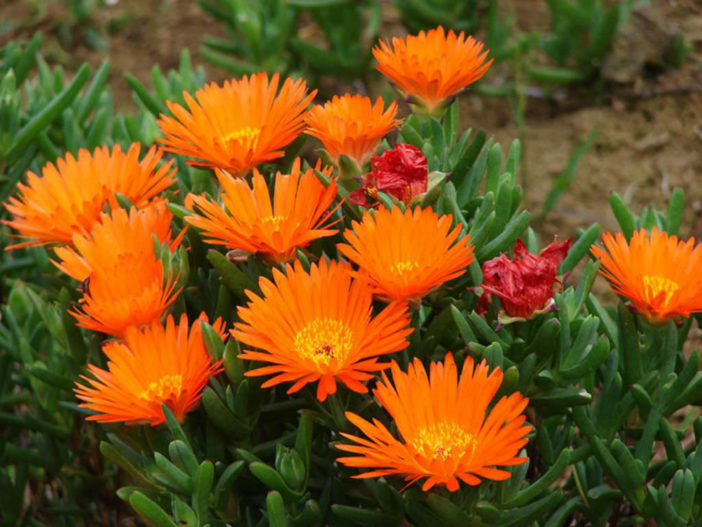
x: 525, y: 283
x: 447, y: 434
x: 151, y: 366
x: 69, y: 196
x: 249, y: 221
x: 406, y: 255
x: 659, y: 273
x: 351, y: 125
x: 115, y: 235
x: 239, y: 125
x: 318, y: 327
x: 432, y: 66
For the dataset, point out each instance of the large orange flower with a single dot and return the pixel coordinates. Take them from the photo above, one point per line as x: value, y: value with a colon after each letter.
x: 351, y: 125
x: 151, y: 366
x: 117, y: 234
x: 433, y: 65
x: 249, y: 221
x: 69, y: 196
x: 239, y: 125
x: 446, y: 431
x: 407, y: 255
x: 657, y: 272
x: 317, y: 327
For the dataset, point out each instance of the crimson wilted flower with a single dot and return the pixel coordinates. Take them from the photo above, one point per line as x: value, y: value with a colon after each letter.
x: 400, y: 172
x: 525, y: 284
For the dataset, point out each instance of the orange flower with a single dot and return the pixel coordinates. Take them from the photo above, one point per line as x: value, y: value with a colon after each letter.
x: 351, y: 125
x: 116, y: 235
x: 433, y: 65
x: 151, y: 366
x: 249, y: 221
x: 447, y: 433
x: 317, y: 327
x: 658, y: 273
x: 407, y: 255
x: 69, y: 196
x: 239, y: 125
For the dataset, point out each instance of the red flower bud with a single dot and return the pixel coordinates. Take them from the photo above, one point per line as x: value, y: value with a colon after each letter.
x: 400, y: 172
x: 525, y: 284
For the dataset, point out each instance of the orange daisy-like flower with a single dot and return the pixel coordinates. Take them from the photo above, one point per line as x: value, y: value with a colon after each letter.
x: 657, y: 272
x: 69, y: 196
x: 447, y: 432
x: 317, y: 327
x: 239, y: 125
x: 116, y: 235
x: 432, y: 66
x: 150, y: 367
x: 249, y: 221
x: 351, y: 125
x: 407, y: 254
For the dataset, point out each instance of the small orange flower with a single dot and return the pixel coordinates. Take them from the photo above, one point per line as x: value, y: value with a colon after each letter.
x: 117, y: 234
x: 658, y: 273
x: 433, y: 65
x: 151, y: 366
x: 351, y: 125
x: 317, y: 327
x: 447, y: 432
x: 407, y: 255
x: 69, y: 196
x: 248, y: 220
x: 239, y: 125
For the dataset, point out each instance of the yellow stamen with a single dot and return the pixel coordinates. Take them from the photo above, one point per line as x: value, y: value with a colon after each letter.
x: 444, y: 440
x: 275, y: 220
x: 655, y: 285
x: 246, y: 136
x: 162, y: 389
x: 404, y: 267
x: 324, y: 339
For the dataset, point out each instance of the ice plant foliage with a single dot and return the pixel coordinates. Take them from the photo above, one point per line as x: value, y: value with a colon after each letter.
x: 526, y: 282
x: 249, y: 220
x: 318, y: 327
x: 657, y: 272
x: 433, y: 65
x: 447, y: 433
x: 351, y: 125
x: 406, y: 255
x: 400, y: 172
x: 115, y: 236
x: 151, y: 366
x: 238, y: 125
x: 69, y: 196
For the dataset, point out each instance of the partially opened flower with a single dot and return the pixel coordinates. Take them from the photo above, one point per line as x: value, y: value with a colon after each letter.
x: 406, y: 255
x: 238, y: 125
x: 659, y: 273
x: 447, y: 434
x: 318, y: 327
x: 115, y: 235
x: 69, y: 196
x: 400, y: 172
x: 151, y: 366
x: 432, y: 66
x: 525, y: 283
x: 351, y: 125
x: 249, y: 221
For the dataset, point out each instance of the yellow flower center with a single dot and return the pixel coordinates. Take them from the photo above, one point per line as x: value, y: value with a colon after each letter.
x: 162, y: 389
x: 275, y: 221
x: 404, y: 267
x: 655, y: 285
x: 324, y: 339
x: 443, y: 440
x: 246, y: 136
